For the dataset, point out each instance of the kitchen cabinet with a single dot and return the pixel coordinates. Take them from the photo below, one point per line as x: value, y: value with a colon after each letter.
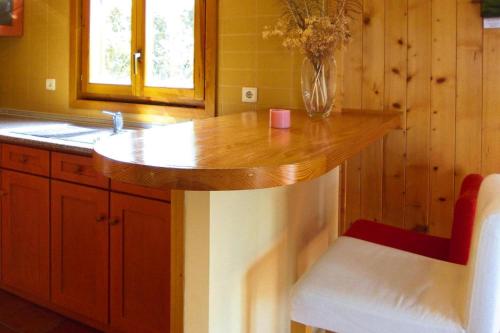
x: 25, y: 159
x: 140, y: 264
x: 73, y: 241
x: 76, y: 169
x: 25, y: 233
x: 80, y: 249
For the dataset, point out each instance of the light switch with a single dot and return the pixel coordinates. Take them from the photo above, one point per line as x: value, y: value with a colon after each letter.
x: 249, y: 95
x: 50, y: 84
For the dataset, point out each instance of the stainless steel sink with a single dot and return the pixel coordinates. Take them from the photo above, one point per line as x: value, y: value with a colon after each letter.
x: 67, y: 132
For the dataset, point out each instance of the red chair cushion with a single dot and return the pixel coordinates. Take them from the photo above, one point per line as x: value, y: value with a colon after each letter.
x: 471, y: 185
x: 410, y: 241
x: 454, y: 250
x: 463, y: 224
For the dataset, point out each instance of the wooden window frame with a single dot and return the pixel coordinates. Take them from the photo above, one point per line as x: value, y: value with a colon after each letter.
x: 182, y: 103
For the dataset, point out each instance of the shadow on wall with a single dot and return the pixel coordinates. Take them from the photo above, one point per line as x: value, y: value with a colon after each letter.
x: 267, y: 299
x: 306, y: 236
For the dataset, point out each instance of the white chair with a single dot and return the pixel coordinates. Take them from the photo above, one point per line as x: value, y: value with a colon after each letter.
x: 363, y: 287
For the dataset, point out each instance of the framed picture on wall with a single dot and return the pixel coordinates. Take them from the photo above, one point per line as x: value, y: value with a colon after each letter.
x: 490, y: 8
x: 11, y: 18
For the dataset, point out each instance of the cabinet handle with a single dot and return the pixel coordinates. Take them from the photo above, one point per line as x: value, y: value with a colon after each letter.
x: 101, y: 218
x: 24, y: 159
x: 114, y: 221
x: 79, y: 169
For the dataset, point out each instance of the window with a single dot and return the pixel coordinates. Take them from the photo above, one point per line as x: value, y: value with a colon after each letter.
x: 144, y: 52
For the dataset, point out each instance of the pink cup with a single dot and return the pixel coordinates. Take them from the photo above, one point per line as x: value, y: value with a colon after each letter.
x: 279, y: 118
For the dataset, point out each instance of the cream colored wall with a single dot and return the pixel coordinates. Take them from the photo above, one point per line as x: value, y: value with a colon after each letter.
x: 245, y: 59
x: 197, y: 260
x: 257, y: 244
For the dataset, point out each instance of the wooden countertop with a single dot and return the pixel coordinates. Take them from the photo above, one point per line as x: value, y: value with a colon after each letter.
x: 239, y: 151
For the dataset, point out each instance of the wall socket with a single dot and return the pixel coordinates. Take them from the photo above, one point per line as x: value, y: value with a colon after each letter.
x: 492, y: 23
x: 249, y: 95
x: 50, y: 84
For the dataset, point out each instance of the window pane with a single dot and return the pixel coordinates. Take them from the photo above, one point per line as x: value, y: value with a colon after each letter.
x: 170, y: 43
x: 110, y: 38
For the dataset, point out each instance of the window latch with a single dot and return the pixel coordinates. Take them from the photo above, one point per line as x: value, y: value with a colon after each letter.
x: 137, y: 59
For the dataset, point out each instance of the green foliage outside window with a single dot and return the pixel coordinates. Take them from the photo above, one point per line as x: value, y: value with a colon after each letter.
x: 491, y: 8
x: 117, y: 51
x: 164, y: 66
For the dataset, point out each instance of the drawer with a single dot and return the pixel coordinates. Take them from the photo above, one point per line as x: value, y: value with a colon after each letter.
x: 30, y: 160
x: 77, y: 169
x: 147, y: 192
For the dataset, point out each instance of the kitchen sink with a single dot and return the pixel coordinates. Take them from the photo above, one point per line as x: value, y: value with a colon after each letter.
x: 67, y: 132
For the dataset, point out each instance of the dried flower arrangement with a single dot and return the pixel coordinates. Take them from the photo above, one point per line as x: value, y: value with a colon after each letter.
x: 315, y: 27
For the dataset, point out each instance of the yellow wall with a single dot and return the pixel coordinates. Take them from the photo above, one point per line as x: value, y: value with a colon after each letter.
x: 43, y: 52
x: 245, y: 59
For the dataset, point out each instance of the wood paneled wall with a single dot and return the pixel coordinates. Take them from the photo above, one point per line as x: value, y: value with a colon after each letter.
x: 432, y: 60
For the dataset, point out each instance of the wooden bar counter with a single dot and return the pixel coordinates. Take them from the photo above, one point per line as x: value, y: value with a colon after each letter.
x: 252, y: 207
x: 240, y: 151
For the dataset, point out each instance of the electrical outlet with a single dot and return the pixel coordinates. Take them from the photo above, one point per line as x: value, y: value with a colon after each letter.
x: 50, y: 84
x: 249, y: 95
x: 492, y: 23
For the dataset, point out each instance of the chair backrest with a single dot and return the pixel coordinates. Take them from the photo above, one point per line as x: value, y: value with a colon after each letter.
x: 482, y: 301
x: 463, y: 223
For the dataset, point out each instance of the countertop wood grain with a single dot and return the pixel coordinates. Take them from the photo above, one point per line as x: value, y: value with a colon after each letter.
x: 240, y: 151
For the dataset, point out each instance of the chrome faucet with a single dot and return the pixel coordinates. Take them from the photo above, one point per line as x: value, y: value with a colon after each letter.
x: 117, y: 121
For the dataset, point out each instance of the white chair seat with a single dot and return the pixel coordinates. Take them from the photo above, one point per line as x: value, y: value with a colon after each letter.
x: 361, y: 287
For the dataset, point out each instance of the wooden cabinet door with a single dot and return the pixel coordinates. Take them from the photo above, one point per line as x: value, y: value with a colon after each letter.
x: 80, y: 249
x: 140, y: 264
x: 25, y: 233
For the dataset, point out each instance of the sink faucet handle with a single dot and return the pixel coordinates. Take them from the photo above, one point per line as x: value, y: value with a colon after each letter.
x: 117, y: 120
x: 113, y: 114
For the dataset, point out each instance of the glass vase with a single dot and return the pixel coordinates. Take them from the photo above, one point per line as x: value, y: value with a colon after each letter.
x: 319, y: 84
